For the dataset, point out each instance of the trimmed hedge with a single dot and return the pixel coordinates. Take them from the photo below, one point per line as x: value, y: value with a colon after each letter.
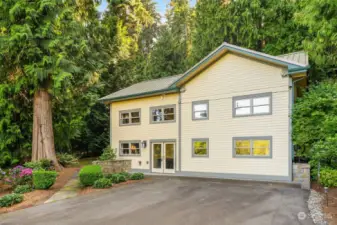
x: 21, y: 189
x: 102, y: 183
x: 10, y: 199
x: 44, y: 179
x: 328, y: 177
x: 89, y: 174
x: 137, y: 176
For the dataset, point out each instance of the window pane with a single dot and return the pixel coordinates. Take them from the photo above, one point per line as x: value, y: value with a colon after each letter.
x: 242, y: 151
x: 135, y: 120
x: 200, y: 107
x: 242, y: 103
x: 125, y: 145
x: 242, y: 111
x: 156, y: 112
x: 261, y: 147
x: 125, y: 115
x: 200, y: 144
x: 134, y: 145
x: 169, y: 117
x: 135, y: 114
x: 125, y: 121
x: 126, y: 151
x: 261, y: 109
x: 261, y: 101
x: 157, y: 118
x: 168, y: 110
x: 242, y: 144
x: 200, y: 151
x: 200, y: 115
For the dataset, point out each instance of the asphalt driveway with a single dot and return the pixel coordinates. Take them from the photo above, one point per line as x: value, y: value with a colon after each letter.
x: 174, y: 201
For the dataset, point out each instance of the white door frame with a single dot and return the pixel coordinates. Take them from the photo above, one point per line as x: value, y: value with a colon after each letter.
x: 160, y: 164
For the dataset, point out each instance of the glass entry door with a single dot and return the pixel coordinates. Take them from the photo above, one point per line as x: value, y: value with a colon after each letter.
x: 163, y: 157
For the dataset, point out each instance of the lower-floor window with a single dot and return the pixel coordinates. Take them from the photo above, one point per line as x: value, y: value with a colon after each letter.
x: 129, y: 148
x: 252, y: 147
x: 200, y: 147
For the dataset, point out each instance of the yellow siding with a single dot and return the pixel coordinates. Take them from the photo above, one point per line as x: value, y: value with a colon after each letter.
x: 145, y: 131
x: 230, y: 76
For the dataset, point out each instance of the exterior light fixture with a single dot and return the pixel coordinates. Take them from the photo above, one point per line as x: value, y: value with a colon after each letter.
x: 326, y: 190
x: 144, y: 144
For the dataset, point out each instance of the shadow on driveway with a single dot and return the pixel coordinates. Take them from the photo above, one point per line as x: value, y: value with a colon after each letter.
x: 175, y: 201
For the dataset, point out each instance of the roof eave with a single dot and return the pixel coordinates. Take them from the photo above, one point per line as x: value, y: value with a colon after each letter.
x: 140, y: 95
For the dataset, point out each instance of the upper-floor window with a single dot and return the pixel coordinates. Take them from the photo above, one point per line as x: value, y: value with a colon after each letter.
x: 129, y: 117
x: 200, y: 110
x: 251, y: 105
x: 163, y: 114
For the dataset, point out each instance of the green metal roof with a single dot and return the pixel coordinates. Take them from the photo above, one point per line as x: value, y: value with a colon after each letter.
x: 145, y: 88
x: 295, y: 62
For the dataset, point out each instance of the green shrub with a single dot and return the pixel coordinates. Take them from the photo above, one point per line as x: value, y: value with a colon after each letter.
x: 137, y: 176
x: 126, y: 175
x: 89, y: 174
x: 122, y: 178
x: 43, y: 179
x: 113, y: 177
x: 102, y: 183
x: 43, y: 164
x: 66, y: 159
x: 108, y: 154
x: 10, y: 199
x: 328, y: 177
x: 21, y: 189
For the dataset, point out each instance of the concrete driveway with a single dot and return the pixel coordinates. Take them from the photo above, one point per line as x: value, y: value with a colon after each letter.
x: 174, y: 201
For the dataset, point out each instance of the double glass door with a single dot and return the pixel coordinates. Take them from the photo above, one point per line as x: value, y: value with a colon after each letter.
x: 163, y: 157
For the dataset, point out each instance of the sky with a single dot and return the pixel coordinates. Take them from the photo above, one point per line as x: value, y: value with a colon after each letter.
x: 161, y: 5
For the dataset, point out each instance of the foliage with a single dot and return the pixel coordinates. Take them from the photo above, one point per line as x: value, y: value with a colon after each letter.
x: 126, y: 175
x: 89, y: 174
x: 113, y: 177
x: 67, y: 159
x: 44, y: 179
x: 10, y: 199
x: 108, y: 154
x: 137, y: 176
x: 19, y: 175
x: 43, y: 164
x: 2, y: 174
x: 102, y: 183
x: 21, y: 189
x: 314, y: 117
x: 121, y: 178
x: 328, y: 177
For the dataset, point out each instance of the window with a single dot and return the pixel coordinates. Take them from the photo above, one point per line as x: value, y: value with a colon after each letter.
x: 129, y: 148
x: 129, y: 117
x: 163, y: 114
x: 200, y: 147
x: 251, y: 105
x: 252, y: 147
x: 200, y: 110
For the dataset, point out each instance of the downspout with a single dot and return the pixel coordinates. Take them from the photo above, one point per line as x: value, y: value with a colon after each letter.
x: 179, y: 130
x: 110, y: 123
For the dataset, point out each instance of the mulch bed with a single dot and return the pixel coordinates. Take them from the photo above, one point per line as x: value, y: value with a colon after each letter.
x: 330, y: 206
x: 88, y: 190
x: 38, y: 196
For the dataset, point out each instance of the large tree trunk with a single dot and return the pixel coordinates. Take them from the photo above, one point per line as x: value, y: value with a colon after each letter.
x: 43, y: 134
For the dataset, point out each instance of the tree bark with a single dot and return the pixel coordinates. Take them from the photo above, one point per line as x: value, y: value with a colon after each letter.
x: 43, y: 134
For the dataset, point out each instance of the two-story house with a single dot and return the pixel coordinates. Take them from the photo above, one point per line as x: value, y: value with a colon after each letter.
x: 229, y: 116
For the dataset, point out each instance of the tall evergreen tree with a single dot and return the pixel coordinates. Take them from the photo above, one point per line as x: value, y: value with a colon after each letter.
x: 45, y: 54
